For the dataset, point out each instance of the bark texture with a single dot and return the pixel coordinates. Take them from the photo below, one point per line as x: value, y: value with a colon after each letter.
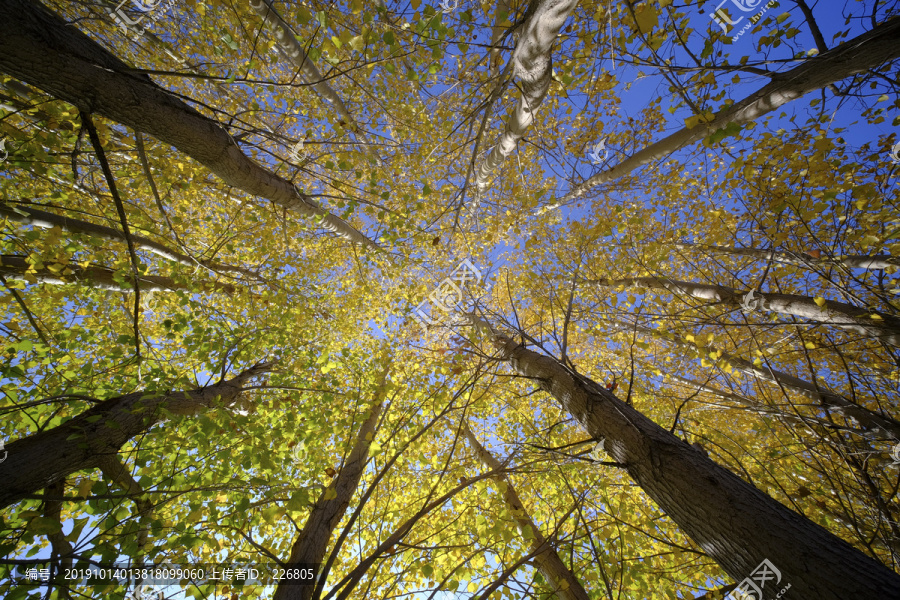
x: 40, y: 48
x: 94, y: 436
x: 16, y: 267
x: 565, y: 585
x: 313, y: 540
x: 846, y: 316
x: 40, y: 218
x: 855, y: 56
x: 533, y: 69
x: 735, y: 523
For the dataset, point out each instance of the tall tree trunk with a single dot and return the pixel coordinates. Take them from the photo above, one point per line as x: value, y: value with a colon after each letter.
x: 40, y: 218
x: 87, y: 440
x: 735, y: 523
x: 566, y: 585
x: 858, y: 55
x: 878, y: 427
x: 853, y: 261
x: 16, y: 267
x: 312, y: 542
x: 294, y: 52
x: 533, y: 69
x: 873, y: 323
x: 39, y: 47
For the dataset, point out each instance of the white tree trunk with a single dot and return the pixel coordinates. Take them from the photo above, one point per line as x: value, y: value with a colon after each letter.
x: 102, y: 278
x: 872, y: 323
x: 871, y: 263
x: 858, y: 55
x: 40, y: 218
x: 879, y: 427
x: 533, y: 68
x: 294, y: 52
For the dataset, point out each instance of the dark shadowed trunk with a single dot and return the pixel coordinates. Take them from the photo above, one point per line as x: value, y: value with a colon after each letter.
x: 37, y: 46
x: 86, y: 441
x: 733, y: 522
x: 312, y: 542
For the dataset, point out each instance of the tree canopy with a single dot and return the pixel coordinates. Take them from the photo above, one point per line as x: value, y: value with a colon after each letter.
x: 545, y: 299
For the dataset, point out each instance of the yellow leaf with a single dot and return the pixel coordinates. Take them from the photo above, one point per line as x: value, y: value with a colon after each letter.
x: 876, y: 317
x: 689, y: 337
x: 810, y: 346
x: 647, y: 17
x: 84, y: 488
x: 330, y: 494
x: 819, y: 300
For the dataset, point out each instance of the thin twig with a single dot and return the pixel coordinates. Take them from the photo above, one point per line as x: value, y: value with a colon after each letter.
x: 25, y: 310
x: 111, y: 182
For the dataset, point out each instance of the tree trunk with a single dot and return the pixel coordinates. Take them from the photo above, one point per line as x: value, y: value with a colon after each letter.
x: 873, y: 323
x: 85, y: 441
x: 858, y: 261
x: 39, y: 47
x: 533, y: 69
x: 732, y: 521
x: 566, y: 585
x: 40, y: 218
x: 858, y: 55
x: 878, y: 427
x: 16, y: 267
x: 295, y: 53
x: 312, y: 542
